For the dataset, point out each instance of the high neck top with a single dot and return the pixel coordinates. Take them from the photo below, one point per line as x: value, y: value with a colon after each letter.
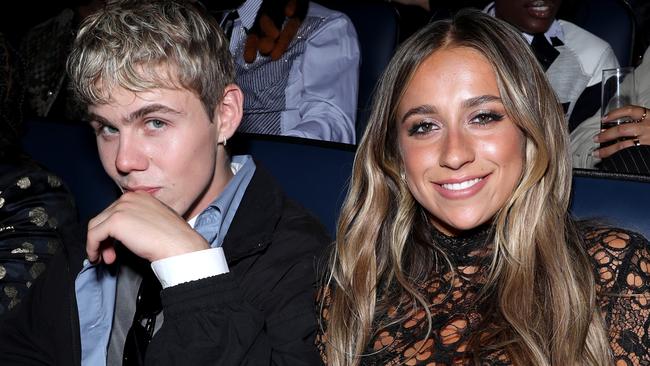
x: 467, y: 248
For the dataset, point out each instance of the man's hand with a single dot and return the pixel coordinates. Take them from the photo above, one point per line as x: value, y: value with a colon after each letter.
x: 625, y: 135
x: 145, y: 226
x: 276, y: 23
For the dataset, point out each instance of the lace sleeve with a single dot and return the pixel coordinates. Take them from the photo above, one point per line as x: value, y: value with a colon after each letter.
x: 323, y: 300
x: 622, y: 271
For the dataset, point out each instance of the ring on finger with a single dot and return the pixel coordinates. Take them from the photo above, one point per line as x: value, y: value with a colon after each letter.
x: 645, y: 113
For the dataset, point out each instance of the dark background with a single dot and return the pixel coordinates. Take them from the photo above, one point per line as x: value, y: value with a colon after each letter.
x: 18, y: 16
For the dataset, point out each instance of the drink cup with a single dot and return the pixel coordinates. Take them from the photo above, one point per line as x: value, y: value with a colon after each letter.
x: 617, y: 91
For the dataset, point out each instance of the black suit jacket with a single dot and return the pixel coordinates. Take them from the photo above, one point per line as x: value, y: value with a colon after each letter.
x: 261, y: 313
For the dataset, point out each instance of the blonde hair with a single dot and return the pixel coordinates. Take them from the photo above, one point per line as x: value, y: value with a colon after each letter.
x: 139, y: 45
x: 540, y: 275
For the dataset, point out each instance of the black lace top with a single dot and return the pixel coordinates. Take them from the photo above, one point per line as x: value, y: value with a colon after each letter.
x: 621, y: 265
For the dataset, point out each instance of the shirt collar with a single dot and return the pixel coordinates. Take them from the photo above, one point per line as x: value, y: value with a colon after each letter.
x: 555, y: 30
x: 248, y: 11
x: 226, y: 204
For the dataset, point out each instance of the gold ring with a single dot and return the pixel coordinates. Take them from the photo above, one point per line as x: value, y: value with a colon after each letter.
x: 645, y: 113
x: 636, y: 142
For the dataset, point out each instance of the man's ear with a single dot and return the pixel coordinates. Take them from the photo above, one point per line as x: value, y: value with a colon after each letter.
x: 229, y: 112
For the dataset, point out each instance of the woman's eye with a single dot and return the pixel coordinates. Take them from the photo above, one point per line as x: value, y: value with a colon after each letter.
x: 156, y: 124
x: 485, y: 118
x: 422, y: 128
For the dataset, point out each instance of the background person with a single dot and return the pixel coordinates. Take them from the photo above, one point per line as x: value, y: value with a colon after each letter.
x: 37, y: 212
x: 44, y: 50
x: 572, y: 58
x: 631, y: 151
x: 297, y: 62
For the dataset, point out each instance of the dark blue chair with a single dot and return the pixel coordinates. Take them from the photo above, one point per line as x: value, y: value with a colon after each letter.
x: 377, y: 26
x: 622, y: 200
x: 314, y: 173
x: 613, y: 21
x: 69, y: 150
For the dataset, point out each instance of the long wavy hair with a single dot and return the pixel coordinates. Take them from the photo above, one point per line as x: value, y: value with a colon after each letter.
x: 540, y: 279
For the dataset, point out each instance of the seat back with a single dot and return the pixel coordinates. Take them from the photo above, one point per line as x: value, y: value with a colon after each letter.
x: 613, y: 21
x: 70, y: 151
x: 377, y: 26
x: 617, y: 199
x: 314, y: 173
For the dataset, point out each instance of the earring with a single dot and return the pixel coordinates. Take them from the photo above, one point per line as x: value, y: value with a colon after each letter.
x: 402, y: 176
x: 225, y: 141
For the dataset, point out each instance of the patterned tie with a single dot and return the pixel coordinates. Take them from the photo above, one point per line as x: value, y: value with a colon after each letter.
x: 206, y: 224
x: 147, y: 307
x: 544, y: 50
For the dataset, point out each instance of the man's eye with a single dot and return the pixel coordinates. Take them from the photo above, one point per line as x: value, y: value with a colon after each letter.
x: 485, y: 118
x: 156, y: 123
x: 108, y: 130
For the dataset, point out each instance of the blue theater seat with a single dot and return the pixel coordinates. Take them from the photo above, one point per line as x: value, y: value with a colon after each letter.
x: 377, y: 26
x: 622, y: 200
x: 69, y: 150
x: 314, y: 173
x: 613, y: 21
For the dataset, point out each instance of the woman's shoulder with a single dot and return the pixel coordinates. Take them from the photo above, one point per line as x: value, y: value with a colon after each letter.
x: 621, y: 259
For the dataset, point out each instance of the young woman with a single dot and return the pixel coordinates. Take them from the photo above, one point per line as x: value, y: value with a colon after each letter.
x: 455, y: 245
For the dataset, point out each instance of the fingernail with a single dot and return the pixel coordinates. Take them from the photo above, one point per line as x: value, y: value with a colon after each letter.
x: 595, y: 154
x: 595, y: 138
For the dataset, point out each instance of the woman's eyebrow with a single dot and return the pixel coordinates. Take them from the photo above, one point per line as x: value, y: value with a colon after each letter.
x: 421, y: 109
x: 476, y: 101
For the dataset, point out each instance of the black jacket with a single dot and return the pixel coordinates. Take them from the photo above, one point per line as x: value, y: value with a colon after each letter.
x: 261, y: 313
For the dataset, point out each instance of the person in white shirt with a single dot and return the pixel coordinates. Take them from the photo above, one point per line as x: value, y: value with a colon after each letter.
x: 573, y: 58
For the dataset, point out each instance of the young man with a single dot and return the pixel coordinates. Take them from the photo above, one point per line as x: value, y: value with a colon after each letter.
x: 234, y: 256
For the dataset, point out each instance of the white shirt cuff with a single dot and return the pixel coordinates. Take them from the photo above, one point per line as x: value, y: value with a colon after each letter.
x: 188, y: 267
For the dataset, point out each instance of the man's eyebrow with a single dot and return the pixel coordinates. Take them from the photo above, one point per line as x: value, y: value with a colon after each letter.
x: 477, y: 101
x: 151, y: 108
x: 421, y: 109
x: 135, y: 114
x: 91, y: 117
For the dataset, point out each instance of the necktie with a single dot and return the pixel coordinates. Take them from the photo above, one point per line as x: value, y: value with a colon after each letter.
x: 228, y: 23
x: 544, y: 50
x: 148, y: 304
x: 147, y: 307
x: 207, y: 224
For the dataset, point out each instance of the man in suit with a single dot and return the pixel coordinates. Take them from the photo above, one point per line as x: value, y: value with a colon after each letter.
x: 202, y: 260
x: 572, y: 57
